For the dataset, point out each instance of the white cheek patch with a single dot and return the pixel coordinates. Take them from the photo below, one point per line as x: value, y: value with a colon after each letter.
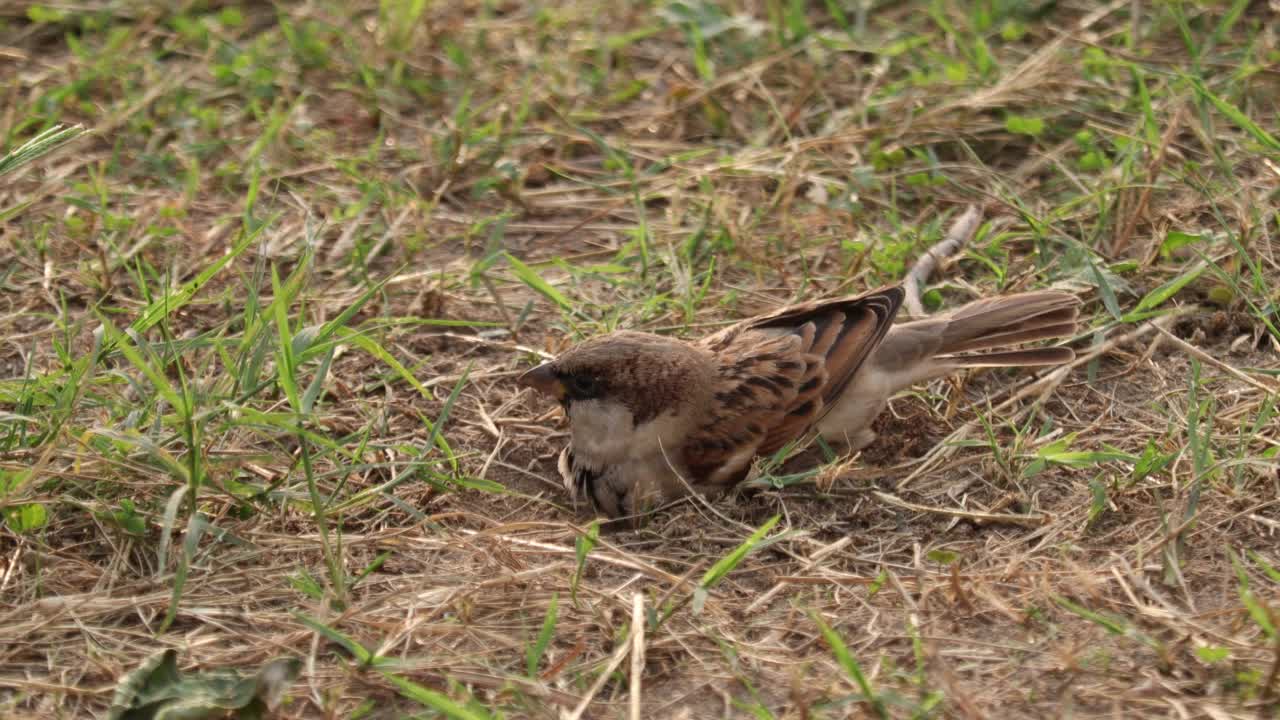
x: 605, y: 433
x: 602, y: 431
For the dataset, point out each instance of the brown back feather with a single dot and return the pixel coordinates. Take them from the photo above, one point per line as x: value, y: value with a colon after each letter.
x: 780, y: 372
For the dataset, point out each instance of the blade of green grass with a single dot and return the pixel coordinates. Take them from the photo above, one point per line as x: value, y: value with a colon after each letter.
x: 284, y: 352
x: 196, y: 525
x: 726, y: 564
x: 42, y: 144
x: 1113, y: 625
x: 530, y: 277
x: 1235, y: 115
x: 534, y: 653
x: 363, y: 655
x: 434, y: 439
x: 851, y: 666
x: 439, y: 702
x: 582, y: 547
x: 371, y: 346
x: 1257, y: 609
x: 164, y: 306
x: 1166, y: 290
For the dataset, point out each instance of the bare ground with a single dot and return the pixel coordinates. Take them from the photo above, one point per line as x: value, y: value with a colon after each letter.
x: 963, y: 583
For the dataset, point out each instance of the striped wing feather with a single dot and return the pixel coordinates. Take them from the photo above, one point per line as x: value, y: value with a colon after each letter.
x: 779, y: 374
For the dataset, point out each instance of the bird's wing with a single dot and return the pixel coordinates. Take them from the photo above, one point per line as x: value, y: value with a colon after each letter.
x: 778, y: 374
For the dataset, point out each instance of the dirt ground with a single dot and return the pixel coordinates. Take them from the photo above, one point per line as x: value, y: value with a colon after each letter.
x: 319, y: 452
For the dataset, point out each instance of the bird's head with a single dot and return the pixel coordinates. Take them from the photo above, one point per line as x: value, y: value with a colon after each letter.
x: 631, y: 399
x: 617, y: 384
x: 646, y: 374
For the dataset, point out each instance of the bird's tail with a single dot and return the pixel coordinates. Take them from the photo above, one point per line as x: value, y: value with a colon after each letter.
x: 1002, y: 322
x: 983, y: 333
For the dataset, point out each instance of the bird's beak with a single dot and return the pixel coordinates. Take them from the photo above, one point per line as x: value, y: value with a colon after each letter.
x: 543, y: 379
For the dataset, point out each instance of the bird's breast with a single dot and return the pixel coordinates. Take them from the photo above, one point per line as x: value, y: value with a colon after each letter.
x: 605, y: 433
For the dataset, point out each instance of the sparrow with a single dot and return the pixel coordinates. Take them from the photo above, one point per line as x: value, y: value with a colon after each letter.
x: 653, y: 418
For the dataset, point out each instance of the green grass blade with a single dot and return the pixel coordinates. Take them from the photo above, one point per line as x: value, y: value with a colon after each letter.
x: 582, y: 547
x: 1113, y: 625
x: 439, y: 702
x: 530, y: 277
x: 1235, y: 115
x: 328, y: 329
x: 317, y: 383
x: 1159, y: 295
x: 196, y: 525
x: 1257, y: 610
x: 164, y: 306
x: 726, y: 564
x: 371, y: 346
x: 850, y: 665
x: 284, y: 352
x: 363, y: 655
x: 12, y: 212
x: 535, y: 652
x: 440, y: 420
x: 1229, y: 19
x: 1267, y: 567
x: 167, y: 525
x: 1105, y: 291
x: 125, y: 345
x: 38, y: 146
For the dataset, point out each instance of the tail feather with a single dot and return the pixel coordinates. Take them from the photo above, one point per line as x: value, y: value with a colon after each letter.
x: 1020, y: 305
x: 1015, y: 336
x: 985, y: 331
x: 1031, y: 357
x: 981, y: 324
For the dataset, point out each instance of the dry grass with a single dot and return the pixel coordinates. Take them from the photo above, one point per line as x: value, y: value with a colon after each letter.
x: 666, y: 167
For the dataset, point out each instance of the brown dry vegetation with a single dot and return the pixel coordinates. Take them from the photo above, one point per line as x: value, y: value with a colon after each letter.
x: 1012, y: 547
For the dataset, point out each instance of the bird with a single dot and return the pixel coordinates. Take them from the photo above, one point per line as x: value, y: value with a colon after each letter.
x: 654, y: 418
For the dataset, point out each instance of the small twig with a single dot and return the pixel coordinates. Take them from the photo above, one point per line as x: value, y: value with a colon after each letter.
x: 618, y: 654
x: 780, y: 583
x: 497, y: 447
x: 959, y: 234
x: 1268, y: 522
x: 347, y: 239
x: 637, y: 651
x: 529, y: 687
x: 552, y: 549
x: 1208, y: 359
x: 496, y: 343
x: 979, y: 517
x: 393, y: 230
x: 841, y: 580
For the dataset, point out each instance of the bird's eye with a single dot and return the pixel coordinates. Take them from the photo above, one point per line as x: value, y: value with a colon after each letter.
x: 583, y: 386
